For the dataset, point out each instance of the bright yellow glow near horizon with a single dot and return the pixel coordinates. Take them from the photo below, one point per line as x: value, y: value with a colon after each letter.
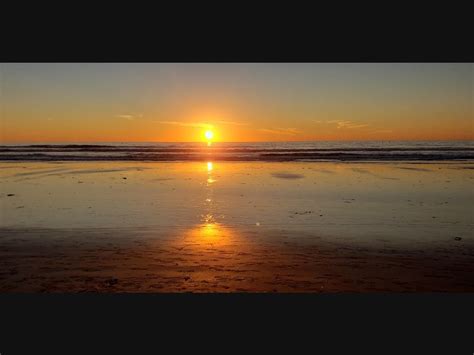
x: 209, y: 135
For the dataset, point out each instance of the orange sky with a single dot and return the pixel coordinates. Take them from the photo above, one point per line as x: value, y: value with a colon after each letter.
x: 239, y: 102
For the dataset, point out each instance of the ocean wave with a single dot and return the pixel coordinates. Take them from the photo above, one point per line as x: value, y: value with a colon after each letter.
x: 267, y: 151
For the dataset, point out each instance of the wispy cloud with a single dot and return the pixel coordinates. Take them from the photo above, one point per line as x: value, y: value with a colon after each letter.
x: 381, y: 131
x: 188, y: 124
x: 347, y: 124
x: 127, y: 117
x: 282, y: 131
x: 351, y: 126
x: 232, y: 123
x: 203, y: 124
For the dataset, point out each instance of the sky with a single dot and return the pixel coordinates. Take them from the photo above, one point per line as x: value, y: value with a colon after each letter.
x: 178, y: 102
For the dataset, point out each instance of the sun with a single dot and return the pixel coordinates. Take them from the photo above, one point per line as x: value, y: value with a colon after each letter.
x: 209, y: 135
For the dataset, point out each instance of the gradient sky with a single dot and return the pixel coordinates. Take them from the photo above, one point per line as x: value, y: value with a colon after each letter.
x: 93, y: 102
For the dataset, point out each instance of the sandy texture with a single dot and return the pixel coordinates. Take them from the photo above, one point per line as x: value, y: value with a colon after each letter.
x: 110, y: 260
x: 236, y: 227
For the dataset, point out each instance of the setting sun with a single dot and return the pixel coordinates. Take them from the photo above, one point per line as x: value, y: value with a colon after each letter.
x: 209, y: 135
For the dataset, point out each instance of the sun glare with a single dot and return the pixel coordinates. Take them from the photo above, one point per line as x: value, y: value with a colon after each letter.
x: 209, y: 135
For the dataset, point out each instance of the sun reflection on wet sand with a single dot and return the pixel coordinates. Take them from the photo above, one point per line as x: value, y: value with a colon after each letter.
x: 209, y: 190
x: 209, y: 230
x: 214, y: 233
x: 210, y: 168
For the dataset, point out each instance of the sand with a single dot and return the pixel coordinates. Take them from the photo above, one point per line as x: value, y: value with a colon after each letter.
x: 108, y: 260
x: 236, y: 227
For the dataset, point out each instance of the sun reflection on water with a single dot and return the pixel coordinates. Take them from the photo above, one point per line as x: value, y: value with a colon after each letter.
x: 210, y: 229
x: 210, y: 168
x: 208, y: 232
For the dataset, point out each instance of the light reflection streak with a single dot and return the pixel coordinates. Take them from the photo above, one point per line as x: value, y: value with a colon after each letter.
x: 210, y: 230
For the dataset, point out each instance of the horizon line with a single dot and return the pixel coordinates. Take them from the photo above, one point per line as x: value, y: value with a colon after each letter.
x: 269, y: 141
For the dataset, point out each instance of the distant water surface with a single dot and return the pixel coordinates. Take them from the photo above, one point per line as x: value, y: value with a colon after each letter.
x: 258, y: 151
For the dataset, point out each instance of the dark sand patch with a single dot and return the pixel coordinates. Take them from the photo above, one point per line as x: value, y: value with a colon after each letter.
x: 67, y: 171
x: 98, y: 171
x: 290, y: 176
x: 364, y: 171
x: 414, y: 169
x: 38, y: 172
x: 462, y: 168
x: 325, y: 171
x: 141, y: 260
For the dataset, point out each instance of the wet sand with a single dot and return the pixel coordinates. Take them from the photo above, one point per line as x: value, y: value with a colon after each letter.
x: 94, y: 260
x: 231, y: 227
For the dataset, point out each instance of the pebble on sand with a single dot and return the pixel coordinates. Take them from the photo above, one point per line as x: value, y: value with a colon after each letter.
x: 457, y: 238
x: 112, y: 281
x: 11, y: 195
x: 305, y: 212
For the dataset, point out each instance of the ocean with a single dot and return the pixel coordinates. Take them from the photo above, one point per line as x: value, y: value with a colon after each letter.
x: 255, y: 151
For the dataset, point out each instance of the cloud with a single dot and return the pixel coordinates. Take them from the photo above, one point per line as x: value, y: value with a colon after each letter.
x: 356, y: 126
x: 347, y: 124
x: 127, y: 117
x: 232, y: 123
x: 381, y: 131
x: 188, y: 124
x: 282, y: 131
x: 203, y: 125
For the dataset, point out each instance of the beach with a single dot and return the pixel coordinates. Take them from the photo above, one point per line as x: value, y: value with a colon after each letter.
x: 243, y: 226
